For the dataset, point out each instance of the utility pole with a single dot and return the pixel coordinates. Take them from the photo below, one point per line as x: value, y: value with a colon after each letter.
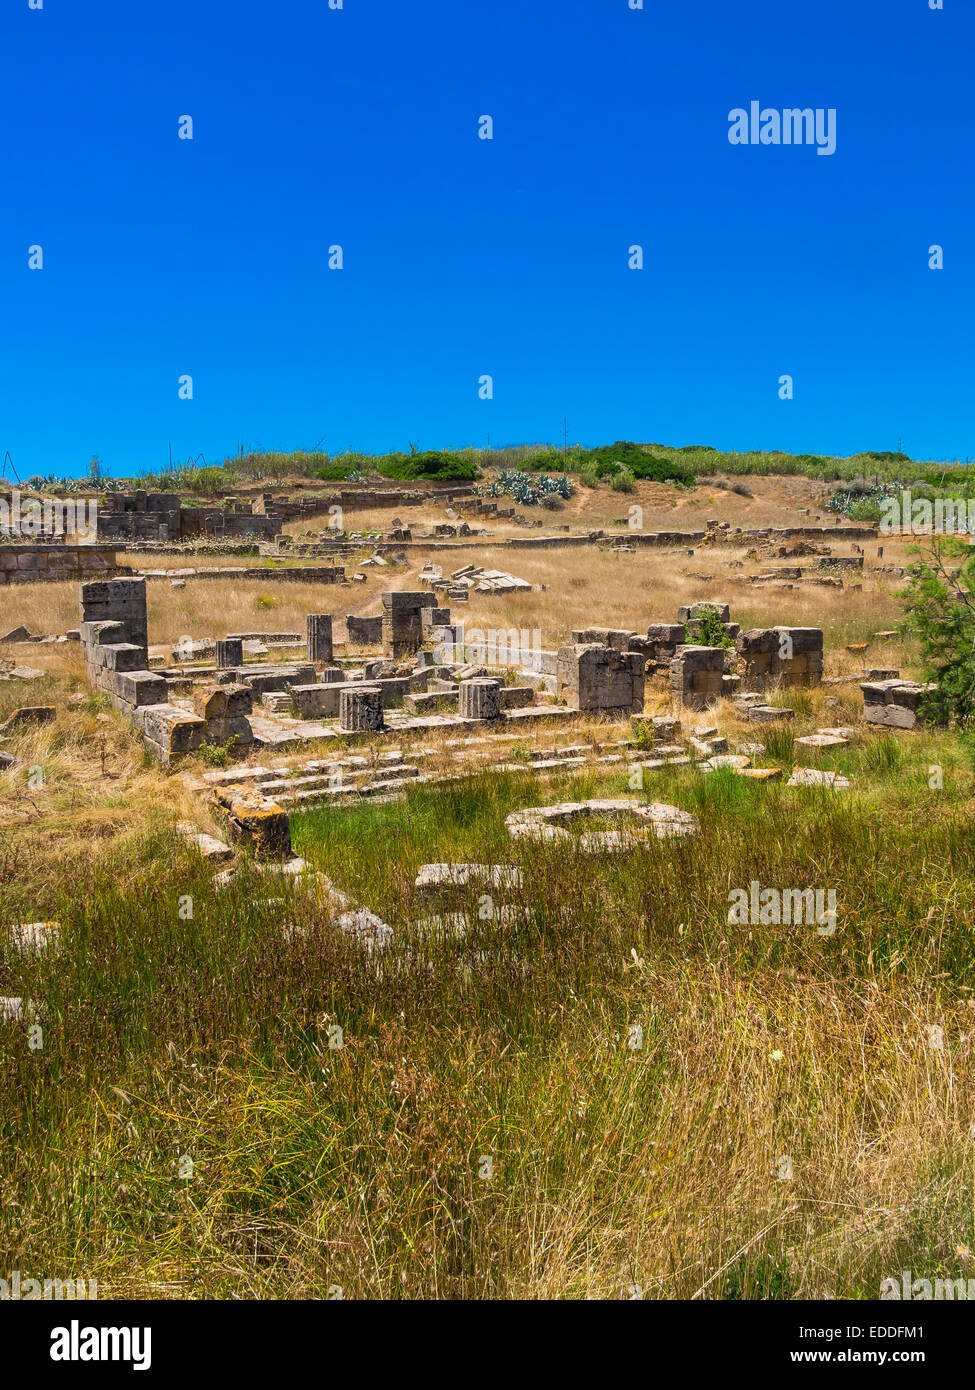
x: 565, y: 440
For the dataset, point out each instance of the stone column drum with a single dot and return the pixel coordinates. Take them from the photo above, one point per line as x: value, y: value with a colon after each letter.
x: 319, y: 626
x: 480, y: 699
x: 361, y: 708
x: 229, y: 653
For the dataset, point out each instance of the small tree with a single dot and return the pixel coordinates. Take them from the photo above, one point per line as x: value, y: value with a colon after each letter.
x: 941, y: 614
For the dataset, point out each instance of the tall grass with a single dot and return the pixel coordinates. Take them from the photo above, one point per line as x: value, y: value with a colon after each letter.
x: 493, y: 1125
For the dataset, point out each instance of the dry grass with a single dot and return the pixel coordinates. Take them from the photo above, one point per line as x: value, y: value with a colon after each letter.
x: 207, y: 1037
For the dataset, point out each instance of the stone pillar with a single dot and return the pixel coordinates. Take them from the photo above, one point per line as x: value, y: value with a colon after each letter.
x: 319, y: 626
x: 600, y: 679
x: 480, y: 699
x: 229, y: 652
x: 361, y: 708
x: 696, y: 675
x: 402, y: 626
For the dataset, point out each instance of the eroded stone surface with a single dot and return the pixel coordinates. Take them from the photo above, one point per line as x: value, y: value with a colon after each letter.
x: 638, y: 821
x: 433, y: 876
x: 817, y: 777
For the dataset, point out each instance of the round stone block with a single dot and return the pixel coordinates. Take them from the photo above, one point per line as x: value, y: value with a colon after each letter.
x: 361, y: 708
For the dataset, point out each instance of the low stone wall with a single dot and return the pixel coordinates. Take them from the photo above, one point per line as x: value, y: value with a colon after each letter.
x: 115, y: 644
x: 788, y: 656
x: 894, y: 704
x: 601, y: 679
x: 39, y: 564
x: 295, y: 574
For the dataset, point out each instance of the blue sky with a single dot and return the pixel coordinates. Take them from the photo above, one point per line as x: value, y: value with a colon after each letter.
x: 463, y: 257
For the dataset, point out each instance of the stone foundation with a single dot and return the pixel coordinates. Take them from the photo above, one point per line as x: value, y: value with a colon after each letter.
x: 787, y: 656
x: 601, y: 679
x: 696, y: 675
x: 51, y: 564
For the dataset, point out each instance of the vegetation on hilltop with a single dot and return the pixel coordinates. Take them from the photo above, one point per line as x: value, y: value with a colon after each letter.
x: 681, y: 465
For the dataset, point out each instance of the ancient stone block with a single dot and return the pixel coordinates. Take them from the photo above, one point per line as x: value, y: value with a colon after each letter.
x: 602, y: 679
x: 696, y: 675
x: 122, y: 656
x: 480, y: 698
x: 229, y: 652
x: 517, y: 696
x: 365, y: 632
x: 788, y: 656
x: 319, y: 629
x: 29, y: 714
x: 894, y: 704
x: 360, y: 708
x: 260, y: 824
x: 141, y: 688
x: 697, y: 610
x: 170, y: 732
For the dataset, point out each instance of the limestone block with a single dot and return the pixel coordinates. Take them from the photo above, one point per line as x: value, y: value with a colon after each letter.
x: 480, y: 698
x: 141, y: 688
x: 360, y: 708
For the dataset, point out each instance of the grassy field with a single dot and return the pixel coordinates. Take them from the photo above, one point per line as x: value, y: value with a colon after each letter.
x: 607, y: 1087
x: 488, y: 1127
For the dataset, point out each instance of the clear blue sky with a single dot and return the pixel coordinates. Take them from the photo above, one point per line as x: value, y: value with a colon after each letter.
x: 358, y: 127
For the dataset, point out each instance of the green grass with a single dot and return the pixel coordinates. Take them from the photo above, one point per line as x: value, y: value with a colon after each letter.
x: 207, y: 1038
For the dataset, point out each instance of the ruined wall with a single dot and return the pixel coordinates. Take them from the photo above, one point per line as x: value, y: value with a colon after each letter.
x: 600, y: 679
x: 35, y: 564
x: 787, y: 656
x: 115, y: 642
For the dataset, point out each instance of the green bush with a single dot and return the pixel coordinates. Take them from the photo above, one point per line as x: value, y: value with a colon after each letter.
x: 623, y: 481
x: 867, y: 509
x: 711, y: 632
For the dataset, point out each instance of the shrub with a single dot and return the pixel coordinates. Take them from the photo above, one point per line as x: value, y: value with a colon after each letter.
x: 866, y: 509
x: 336, y: 472
x: 711, y: 632
x: 941, y: 613
x: 623, y: 481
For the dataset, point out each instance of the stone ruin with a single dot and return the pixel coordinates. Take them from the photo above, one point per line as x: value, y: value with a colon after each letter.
x: 696, y: 675
x: 894, y: 704
x: 785, y: 656
x: 601, y: 679
x: 245, y: 703
x: 115, y: 642
x: 402, y: 621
